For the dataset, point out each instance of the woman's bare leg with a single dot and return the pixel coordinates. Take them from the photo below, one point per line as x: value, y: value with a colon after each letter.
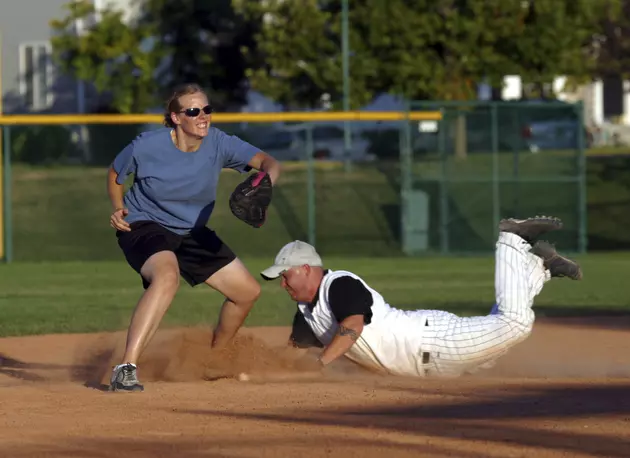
x: 162, y: 271
x: 241, y: 291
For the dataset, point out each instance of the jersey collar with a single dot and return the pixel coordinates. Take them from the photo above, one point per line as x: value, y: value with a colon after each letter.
x: 311, y: 305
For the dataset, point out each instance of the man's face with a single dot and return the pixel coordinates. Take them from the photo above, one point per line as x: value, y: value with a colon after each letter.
x: 296, y: 281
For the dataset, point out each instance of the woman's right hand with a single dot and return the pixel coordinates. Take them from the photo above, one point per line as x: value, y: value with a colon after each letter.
x: 117, y: 220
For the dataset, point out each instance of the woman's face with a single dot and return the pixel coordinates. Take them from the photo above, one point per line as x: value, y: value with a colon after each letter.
x: 191, y: 117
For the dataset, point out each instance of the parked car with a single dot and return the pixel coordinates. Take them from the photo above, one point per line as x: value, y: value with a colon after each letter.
x: 523, y: 126
x: 553, y: 135
x: 289, y: 143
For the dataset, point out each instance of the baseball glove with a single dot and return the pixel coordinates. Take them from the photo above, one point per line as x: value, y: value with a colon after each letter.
x: 250, y: 199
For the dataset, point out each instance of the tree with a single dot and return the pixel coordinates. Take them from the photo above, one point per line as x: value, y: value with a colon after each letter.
x: 556, y: 37
x: 416, y: 49
x: 203, y: 41
x: 611, y: 47
x: 419, y: 49
x: 170, y: 42
x: 116, y: 57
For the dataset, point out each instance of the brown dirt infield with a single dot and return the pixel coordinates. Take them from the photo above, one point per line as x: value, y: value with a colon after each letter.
x: 563, y: 392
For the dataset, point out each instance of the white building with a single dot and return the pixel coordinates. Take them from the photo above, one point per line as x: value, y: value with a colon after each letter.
x: 29, y: 81
x: 606, y: 101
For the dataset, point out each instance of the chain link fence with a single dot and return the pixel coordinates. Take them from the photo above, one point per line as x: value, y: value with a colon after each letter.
x: 398, y: 188
x: 336, y: 197
x: 486, y: 161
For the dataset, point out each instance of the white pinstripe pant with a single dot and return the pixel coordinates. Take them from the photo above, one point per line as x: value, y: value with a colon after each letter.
x: 459, y: 345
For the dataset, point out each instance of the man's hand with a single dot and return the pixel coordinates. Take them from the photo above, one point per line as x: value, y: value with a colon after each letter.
x: 117, y: 220
x: 311, y: 363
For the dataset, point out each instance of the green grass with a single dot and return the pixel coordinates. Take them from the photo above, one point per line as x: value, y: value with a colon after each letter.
x: 70, y: 275
x: 71, y: 297
x: 480, y: 166
x: 608, y: 151
x: 62, y: 213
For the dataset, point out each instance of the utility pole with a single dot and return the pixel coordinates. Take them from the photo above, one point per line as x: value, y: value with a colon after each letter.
x: 345, y: 51
x: 82, y: 130
x: 2, y: 153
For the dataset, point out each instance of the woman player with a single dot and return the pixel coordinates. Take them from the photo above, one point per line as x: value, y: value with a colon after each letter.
x: 161, y: 221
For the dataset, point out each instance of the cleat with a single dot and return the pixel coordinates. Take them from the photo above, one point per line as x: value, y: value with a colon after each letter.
x: 558, y: 265
x: 124, y: 378
x: 530, y: 228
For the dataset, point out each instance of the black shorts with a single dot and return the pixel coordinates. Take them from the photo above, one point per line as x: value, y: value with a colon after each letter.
x: 200, y: 253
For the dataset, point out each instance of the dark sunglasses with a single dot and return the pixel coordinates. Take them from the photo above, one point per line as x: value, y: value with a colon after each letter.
x: 194, y: 112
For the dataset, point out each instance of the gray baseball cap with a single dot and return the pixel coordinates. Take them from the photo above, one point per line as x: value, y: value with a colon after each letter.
x: 294, y: 254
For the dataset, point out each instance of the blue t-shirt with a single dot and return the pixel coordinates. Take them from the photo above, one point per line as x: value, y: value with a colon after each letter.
x: 174, y: 188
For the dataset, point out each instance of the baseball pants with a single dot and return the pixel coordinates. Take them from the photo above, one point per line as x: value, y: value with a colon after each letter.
x: 458, y: 345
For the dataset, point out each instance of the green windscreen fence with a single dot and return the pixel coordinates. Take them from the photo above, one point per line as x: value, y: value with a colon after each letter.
x: 400, y: 188
x: 486, y: 161
x: 344, y: 200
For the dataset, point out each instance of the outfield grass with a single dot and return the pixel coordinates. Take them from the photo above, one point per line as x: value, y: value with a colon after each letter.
x: 71, y: 297
x: 70, y: 275
x: 62, y: 213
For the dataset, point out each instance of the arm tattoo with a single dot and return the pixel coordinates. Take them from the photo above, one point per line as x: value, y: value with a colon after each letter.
x: 344, y: 331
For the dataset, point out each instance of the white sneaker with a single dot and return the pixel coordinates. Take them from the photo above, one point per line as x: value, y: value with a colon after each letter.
x: 124, y: 378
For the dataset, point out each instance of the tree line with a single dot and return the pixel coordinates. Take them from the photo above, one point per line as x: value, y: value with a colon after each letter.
x: 291, y: 50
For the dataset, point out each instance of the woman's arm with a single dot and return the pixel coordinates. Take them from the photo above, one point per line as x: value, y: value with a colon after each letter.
x: 116, y: 193
x: 266, y: 163
x: 114, y: 190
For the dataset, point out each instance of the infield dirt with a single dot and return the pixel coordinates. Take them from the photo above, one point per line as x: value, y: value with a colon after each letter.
x: 563, y: 392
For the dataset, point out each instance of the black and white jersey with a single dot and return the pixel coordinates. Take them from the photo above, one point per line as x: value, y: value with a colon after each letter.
x: 390, y: 338
x: 418, y: 342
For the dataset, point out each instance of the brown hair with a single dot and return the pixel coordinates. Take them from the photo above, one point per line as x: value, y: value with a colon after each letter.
x: 172, y: 104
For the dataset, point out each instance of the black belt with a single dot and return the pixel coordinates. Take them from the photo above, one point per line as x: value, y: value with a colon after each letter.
x: 426, y: 356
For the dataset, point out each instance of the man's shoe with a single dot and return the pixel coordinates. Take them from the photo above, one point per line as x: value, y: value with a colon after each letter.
x: 531, y: 228
x: 124, y: 378
x: 558, y: 265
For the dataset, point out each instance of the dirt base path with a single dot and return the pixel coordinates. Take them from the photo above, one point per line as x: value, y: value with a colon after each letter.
x: 563, y: 392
